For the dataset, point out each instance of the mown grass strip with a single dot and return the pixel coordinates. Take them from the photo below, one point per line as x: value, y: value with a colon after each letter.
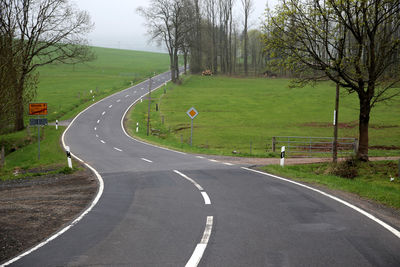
x: 373, y: 181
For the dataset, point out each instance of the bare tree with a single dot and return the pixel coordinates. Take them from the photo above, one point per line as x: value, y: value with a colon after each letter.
x: 247, y: 9
x: 43, y: 32
x: 166, y: 23
x: 353, y: 43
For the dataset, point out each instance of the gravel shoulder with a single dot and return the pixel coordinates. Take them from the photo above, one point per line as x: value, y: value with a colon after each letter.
x: 33, y: 209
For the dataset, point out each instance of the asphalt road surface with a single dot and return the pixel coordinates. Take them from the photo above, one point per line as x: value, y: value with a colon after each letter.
x: 164, y: 208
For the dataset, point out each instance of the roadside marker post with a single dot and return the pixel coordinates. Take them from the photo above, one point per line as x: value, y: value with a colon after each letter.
x: 192, y: 113
x: 56, y: 124
x: 137, y: 127
x: 283, y: 156
x: 68, y: 157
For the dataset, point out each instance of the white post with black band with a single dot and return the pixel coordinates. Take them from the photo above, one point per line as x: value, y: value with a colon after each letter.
x: 283, y: 156
x: 56, y: 124
x: 68, y: 157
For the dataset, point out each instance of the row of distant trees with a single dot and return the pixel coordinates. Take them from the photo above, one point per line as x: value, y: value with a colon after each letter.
x: 207, y: 31
x: 34, y: 33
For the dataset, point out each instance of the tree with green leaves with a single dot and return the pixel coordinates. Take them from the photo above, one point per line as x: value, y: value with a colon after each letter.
x: 353, y: 43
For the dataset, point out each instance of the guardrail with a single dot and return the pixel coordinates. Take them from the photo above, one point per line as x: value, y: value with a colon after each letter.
x: 301, y: 146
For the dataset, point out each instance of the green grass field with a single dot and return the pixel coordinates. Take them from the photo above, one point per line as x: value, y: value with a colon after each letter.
x: 235, y: 113
x: 66, y: 89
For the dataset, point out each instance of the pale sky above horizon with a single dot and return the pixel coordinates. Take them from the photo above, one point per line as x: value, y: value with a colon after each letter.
x: 118, y: 25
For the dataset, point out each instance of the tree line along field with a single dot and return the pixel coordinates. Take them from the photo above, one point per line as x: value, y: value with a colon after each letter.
x: 66, y: 89
x: 236, y: 113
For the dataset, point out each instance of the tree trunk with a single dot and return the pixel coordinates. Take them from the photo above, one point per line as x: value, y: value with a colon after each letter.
x: 365, y: 109
x: 19, y: 108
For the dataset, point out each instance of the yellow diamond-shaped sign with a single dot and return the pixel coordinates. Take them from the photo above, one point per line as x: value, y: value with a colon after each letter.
x: 192, y: 113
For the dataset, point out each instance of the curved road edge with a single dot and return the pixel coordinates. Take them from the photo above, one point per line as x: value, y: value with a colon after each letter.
x: 349, y: 205
x: 85, y: 212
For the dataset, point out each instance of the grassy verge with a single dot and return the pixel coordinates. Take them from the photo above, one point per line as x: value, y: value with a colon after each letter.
x: 372, y: 182
x: 243, y: 114
x: 24, y: 161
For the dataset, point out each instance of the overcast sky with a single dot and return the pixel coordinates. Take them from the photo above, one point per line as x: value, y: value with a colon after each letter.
x: 117, y: 24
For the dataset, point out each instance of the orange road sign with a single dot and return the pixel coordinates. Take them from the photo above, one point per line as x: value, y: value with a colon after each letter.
x: 38, y: 109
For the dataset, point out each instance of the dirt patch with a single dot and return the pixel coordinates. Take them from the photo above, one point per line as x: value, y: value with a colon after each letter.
x: 385, y: 147
x: 34, y: 208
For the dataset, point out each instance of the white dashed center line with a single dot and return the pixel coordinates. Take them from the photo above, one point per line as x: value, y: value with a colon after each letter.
x: 118, y: 149
x: 103, y: 113
x: 201, y: 247
x: 97, y: 135
x: 95, y: 128
x: 213, y: 160
x: 127, y: 96
x: 207, y: 200
x: 110, y: 106
x: 227, y: 163
x: 119, y: 100
x: 146, y: 160
x: 200, y: 157
x: 102, y: 141
x: 98, y: 121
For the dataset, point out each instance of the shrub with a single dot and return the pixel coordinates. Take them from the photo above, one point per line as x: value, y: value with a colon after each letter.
x: 346, y: 169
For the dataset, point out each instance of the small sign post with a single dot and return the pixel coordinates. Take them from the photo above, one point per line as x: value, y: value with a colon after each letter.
x: 192, y: 113
x: 38, y: 109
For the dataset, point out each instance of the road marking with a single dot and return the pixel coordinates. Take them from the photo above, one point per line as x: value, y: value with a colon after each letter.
x: 102, y: 141
x: 207, y: 200
x: 190, y: 179
x: 97, y: 135
x: 135, y: 92
x: 110, y: 106
x: 201, y: 247
x: 213, y: 160
x: 95, y: 128
x: 142, y: 88
x: 146, y: 160
x: 363, y: 212
x: 119, y: 100
x: 127, y: 96
x: 200, y: 157
x: 227, y: 163
x: 120, y: 150
x: 102, y: 114
x: 95, y: 200
x: 98, y: 121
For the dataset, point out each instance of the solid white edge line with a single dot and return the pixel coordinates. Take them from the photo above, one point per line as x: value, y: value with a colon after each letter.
x: 116, y: 148
x: 123, y: 128
x: 207, y: 200
x: 201, y: 247
x: 189, y: 179
x: 146, y: 160
x: 363, y: 212
x: 85, y: 212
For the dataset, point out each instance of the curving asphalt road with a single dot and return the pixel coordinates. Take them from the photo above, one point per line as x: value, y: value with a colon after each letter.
x: 165, y: 208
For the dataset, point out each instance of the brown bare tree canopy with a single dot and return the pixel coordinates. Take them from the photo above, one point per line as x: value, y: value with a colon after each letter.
x: 40, y: 32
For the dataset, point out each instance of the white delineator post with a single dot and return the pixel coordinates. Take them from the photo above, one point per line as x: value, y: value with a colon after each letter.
x: 68, y: 157
x: 283, y: 156
x: 56, y: 124
x: 137, y: 127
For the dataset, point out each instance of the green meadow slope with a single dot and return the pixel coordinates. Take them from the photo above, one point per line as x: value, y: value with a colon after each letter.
x: 235, y: 113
